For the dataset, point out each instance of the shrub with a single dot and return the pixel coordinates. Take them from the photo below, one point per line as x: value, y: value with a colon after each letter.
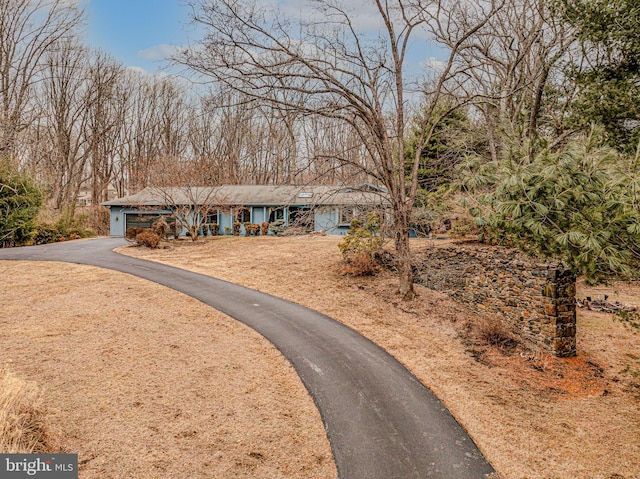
x: 46, y: 233
x: 214, y: 228
x: 247, y: 228
x: 161, y: 228
x: 422, y: 221
x: 362, y: 238
x: 23, y: 425
x: 359, y: 247
x: 227, y: 230
x: 63, y: 229
x: 361, y: 264
x: 133, y: 231
x: 254, y: 229
x: 148, y: 238
x: 176, y: 229
x: 265, y: 228
x: 69, y: 225
x: 236, y: 228
x: 277, y: 227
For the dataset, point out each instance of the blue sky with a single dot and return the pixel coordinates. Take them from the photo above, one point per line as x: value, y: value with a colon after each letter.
x: 140, y: 33
x: 137, y: 32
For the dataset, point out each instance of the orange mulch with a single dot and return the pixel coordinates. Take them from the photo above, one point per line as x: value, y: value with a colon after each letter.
x: 542, y: 373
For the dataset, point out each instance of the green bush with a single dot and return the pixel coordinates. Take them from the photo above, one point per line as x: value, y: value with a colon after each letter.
x: 46, y: 233
x: 20, y: 202
x: 362, y: 241
x: 64, y: 229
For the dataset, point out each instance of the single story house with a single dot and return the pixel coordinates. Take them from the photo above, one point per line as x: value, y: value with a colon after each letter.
x: 315, y: 208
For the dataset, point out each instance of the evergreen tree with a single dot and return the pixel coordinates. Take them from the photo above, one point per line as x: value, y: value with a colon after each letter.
x: 609, y: 87
x: 580, y: 204
x: 20, y: 202
x: 453, y: 138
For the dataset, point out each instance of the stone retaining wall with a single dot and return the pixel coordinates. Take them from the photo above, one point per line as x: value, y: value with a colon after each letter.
x: 536, y: 299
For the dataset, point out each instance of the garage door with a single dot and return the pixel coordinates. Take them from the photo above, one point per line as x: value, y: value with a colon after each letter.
x: 143, y: 220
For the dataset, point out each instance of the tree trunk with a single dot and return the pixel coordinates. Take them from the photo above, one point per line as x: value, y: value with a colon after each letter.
x: 403, y: 254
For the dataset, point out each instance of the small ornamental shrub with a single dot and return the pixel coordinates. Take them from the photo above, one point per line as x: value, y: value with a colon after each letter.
x: 277, y: 227
x: 362, y: 238
x: 236, y: 228
x: 247, y: 228
x: 214, y: 228
x: 254, y: 229
x: 360, y: 245
x: 161, y: 228
x: 265, y: 228
x: 148, y: 238
x: 205, y: 230
x: 133, y: 231
x: 227, y: 230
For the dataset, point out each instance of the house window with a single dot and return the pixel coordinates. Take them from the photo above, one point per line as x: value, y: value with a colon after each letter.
x: 243, y: 215
x: 347, y: 213
x: 212, y: 217
x: 301, y: 216
x: 276, y: 214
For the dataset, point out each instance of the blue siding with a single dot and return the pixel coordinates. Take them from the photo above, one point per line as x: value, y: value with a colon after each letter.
x: 325, y: 219
x: 116, y: 221
x: 259, y: 214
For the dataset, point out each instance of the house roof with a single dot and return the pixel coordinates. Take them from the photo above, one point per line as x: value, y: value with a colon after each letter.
x: 255, y: 195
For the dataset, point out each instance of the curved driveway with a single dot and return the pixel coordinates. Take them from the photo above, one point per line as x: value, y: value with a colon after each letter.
x: 380, y: 420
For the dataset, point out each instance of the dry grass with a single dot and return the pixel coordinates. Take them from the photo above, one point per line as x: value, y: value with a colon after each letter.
x: 144, y: 382
x: 532, y: 415
x: 24, y: 428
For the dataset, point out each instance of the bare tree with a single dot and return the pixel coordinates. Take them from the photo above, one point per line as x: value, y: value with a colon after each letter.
x: 335, y: 70
x: 179, y: 186
x: 106, y: 115
x: 28, y: 30
x: 65, y: 100
x: 512, y: 62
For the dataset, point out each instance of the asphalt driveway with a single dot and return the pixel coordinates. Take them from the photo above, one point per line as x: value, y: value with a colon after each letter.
x: 382, y: 423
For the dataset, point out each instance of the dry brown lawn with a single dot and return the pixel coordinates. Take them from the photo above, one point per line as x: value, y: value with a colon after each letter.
x: 144, y: 382
x: 532, y: 415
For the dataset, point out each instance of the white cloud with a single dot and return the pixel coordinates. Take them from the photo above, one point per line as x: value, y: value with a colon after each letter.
x: 434, y: 65
x: 158, y: 52
x: 138, y: 70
